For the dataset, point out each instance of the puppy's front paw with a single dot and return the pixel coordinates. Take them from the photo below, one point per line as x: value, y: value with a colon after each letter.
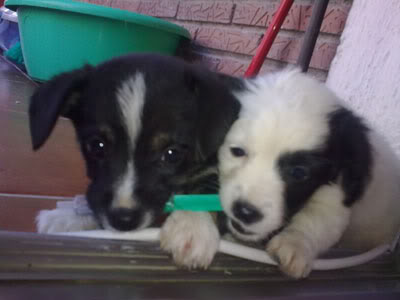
x: 191, y: 237
x: 63, y: 220
x: 293, y: 253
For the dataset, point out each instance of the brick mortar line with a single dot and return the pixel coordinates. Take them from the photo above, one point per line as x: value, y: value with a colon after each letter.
x: 248, y: 28
x: 208, y: 48
x: 244, y: 29
x: 244, y: 26
x: 254, y: 28
x: 224, y: 53
x: 242, y: 56
x: 270, y: 63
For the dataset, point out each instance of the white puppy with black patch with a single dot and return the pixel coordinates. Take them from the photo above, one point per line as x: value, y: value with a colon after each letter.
x: 301, y: 171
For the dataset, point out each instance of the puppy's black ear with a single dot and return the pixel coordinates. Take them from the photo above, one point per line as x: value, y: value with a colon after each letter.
x: 217, y: 108
x: 350, y: 147
x: 52, y: 99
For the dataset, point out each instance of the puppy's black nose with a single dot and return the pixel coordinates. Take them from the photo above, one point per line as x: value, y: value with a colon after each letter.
x: 125, y: 219
x: 246, y: 212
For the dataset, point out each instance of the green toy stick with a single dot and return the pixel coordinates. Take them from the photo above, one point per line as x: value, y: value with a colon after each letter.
x: 206, y: 202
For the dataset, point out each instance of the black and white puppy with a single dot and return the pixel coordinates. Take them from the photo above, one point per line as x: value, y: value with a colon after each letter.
x: 149, y: 126
x: 301, y: 170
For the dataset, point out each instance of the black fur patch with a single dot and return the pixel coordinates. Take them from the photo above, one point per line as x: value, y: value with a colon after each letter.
x: 349, y: 148
x: 320, y: 171
x: 344, y: 158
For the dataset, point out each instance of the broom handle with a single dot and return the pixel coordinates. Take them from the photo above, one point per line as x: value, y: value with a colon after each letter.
x: 269, y: 38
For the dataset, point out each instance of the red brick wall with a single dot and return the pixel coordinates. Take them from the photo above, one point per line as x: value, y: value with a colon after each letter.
x: 229, y: 31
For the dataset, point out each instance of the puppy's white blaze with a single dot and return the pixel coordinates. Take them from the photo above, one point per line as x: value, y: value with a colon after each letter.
x: 131, y: 96
x: 123, y: 197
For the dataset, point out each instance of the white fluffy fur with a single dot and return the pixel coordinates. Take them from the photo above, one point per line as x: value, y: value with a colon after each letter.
x: 287, y: 111
x: 191, y: 237
x: 316, y: 228
x: 70, y: 220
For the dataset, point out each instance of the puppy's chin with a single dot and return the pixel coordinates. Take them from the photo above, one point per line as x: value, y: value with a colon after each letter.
x: 146, y: 220
x: 246, y: 235
x: 241, y: 233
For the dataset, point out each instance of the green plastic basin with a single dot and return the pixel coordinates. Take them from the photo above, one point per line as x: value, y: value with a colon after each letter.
x: 61, y: 35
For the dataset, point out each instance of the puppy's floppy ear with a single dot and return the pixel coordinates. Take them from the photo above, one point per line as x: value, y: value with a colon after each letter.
x: 350, y: 147
x: 217, y: 108
x: 52, y: 99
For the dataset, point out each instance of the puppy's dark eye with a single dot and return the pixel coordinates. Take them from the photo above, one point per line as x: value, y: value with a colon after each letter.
x: 299, y: 173
x: 96, y: 147
x: 173, y: 155
x: 238, y: 152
